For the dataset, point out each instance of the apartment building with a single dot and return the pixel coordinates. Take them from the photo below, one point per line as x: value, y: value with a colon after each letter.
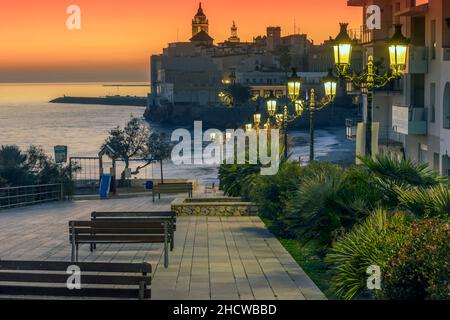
x: 414, y: 112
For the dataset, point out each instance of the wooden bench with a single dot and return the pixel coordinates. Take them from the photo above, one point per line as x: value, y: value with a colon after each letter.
x: 113, y: 232
x: 172, y: 188
x: 137, y: 216
x: 47, y: 279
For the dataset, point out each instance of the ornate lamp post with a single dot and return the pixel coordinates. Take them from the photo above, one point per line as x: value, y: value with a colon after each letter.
x: 369, y: 80
x: 281, y: 120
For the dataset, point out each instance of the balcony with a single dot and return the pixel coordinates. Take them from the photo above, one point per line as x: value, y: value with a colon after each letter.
x: 409, y: 121
x: 389, y: 138
x: 418, y: 60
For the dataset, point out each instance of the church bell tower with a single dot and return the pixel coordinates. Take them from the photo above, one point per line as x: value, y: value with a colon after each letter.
x: 200, y: 22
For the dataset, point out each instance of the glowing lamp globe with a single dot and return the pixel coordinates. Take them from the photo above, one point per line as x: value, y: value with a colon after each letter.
x: 271, y: 105
x: 398, y: 51
x: 330, y: 85
x: 294, y: 85
x: 342, y: 48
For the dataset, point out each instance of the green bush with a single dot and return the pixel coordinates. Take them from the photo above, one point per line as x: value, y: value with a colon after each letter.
x: 329, y: 202
x: 420, y: 270
x: 237, y: 180
x: 424, y: 203
x: 33, y: 166
x: 389, y: 174
x: 373, y: 242
x: 270, y: 192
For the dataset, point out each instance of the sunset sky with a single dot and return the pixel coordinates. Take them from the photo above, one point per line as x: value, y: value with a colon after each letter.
x: 117, y: 36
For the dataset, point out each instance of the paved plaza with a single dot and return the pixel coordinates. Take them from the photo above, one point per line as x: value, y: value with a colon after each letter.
x: 214, y: 257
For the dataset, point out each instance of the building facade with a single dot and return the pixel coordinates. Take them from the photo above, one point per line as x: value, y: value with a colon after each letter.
x: 414, y: 112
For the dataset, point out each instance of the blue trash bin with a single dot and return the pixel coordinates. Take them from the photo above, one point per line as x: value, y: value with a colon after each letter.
x: 149, y: 185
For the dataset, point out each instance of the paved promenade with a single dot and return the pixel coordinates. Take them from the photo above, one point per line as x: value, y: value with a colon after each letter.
x: 214, y: 257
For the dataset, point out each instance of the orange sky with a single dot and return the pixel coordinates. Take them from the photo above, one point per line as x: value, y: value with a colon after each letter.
x: 118, y: 36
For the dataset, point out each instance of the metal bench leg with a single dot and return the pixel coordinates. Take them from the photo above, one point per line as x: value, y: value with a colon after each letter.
x: 166, y: 246
x: 72, y: 259
x: 73, y: 241
x: 172, y: 242
x: 76, y: 255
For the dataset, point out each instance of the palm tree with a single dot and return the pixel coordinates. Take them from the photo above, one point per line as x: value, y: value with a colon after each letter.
x: 390, y: 174
x: 434, y: 201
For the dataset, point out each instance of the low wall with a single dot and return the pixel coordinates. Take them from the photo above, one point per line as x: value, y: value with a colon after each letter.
x: 223, y: 207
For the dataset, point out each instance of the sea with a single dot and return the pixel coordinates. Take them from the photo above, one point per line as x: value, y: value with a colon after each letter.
x: 27, y: 118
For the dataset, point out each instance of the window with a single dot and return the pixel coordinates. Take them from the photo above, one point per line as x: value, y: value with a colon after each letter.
x: 422, y: 156
x: 432, y: 102
x: 397, y: 6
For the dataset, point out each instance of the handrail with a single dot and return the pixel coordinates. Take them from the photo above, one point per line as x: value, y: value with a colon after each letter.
x: 12, y: 197
x: 32, y: 186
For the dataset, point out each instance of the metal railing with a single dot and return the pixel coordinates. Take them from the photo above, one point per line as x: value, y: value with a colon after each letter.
x: 388, y: 137
x: 12, y: 197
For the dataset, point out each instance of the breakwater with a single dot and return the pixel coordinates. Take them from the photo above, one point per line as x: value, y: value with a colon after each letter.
x: 108, y: 100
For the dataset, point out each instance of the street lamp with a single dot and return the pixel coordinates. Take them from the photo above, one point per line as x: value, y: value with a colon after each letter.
x: 343, y: 49
x: 294, y: 85
x: 257, y: 119
x: 293, y: 92
x: 398, y: 48
x: 330, y: 85
x: 271, y: 105
x: 369, y: 80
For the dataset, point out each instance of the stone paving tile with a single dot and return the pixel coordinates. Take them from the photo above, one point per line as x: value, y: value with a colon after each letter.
x: 214, y: 257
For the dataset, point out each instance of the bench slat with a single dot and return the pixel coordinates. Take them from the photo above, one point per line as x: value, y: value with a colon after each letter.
x: 99, y: 214
x: 147, y: 231
x: 62, y: 278
x: 64, y: 292
x: 84, y: 266
x: 121, y: 238
x: 117, y: 224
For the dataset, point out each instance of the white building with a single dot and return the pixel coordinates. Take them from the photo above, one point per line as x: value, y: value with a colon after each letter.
x: 414, y: 113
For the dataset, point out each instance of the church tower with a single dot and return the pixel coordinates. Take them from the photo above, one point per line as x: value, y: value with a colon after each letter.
x: 200, y: 22
x: 234, y: 36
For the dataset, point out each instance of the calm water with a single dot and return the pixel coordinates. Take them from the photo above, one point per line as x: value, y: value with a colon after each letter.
x: 27, y: 118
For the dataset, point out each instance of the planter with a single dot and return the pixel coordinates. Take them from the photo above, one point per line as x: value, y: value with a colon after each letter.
x: 214, y: 207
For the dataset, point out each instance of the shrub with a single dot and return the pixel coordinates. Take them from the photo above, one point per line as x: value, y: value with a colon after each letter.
x: 425, y: 203
x: 270, y: 192
x: 373, y: 242
x: 329, y: 202
x: 19, y: 168
x: 390, y: 173
x: 237, y: 180
x: 421, y: 268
